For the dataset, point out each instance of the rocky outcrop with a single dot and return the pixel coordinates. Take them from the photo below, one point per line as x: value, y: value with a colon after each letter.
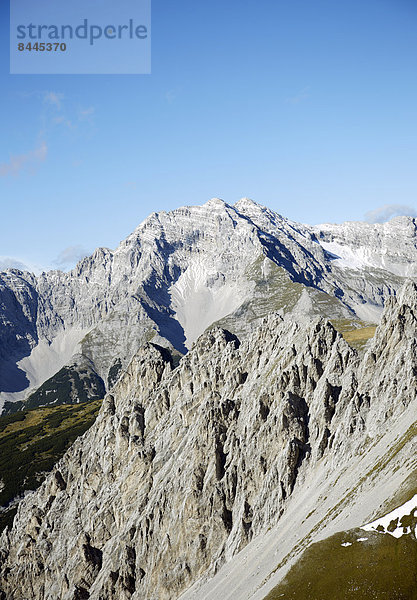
x: 184, y: 466
x: 386, y: 246
x: 389, y: 368
x: 18, y: 331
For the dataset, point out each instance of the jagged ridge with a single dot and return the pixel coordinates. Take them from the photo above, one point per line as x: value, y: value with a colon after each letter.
x: 185, y: 466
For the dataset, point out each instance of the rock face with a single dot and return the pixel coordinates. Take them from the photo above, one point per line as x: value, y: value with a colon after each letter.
x: 76, y: 382
x: 181, y: 271
x: 186, y: 466
x: 386, y: 246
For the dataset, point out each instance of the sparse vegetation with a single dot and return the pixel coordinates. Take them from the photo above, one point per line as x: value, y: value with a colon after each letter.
x: 31, y: 442
x: 356, y: 333
x: 275, y: 291
x: 359, y: 337
x: 407, y: 490
x: 69, y: 385
x: 380, y: 567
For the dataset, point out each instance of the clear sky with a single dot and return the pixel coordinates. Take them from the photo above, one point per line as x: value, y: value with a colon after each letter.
x: 308, y: 107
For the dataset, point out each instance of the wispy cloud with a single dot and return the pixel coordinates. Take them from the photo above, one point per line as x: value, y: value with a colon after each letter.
x: 86, y: 113
x: 77, y: 117
x: 302, y: 95
x: 7, y: 262
x: 386, y: 212
x: 21, y: 162
x: 61, y: 120
x: 170, y: 96
x: 59, y: 112
x: 53, y: 98
x: 58, y: 115
x: 71, y: 255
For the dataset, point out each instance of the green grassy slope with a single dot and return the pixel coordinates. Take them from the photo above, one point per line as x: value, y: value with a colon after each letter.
x: 356, y: 333
x: 31, y: 442
x: 379, y: 568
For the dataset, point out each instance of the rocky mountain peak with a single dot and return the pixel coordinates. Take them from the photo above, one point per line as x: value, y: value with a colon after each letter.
x: 181, y: 271
x: 407, y: 295
x: 188, y: 465
x: 216, y: 202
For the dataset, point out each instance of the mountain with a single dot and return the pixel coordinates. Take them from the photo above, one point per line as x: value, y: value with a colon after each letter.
x: 179, y: 273
x: 210, y: 479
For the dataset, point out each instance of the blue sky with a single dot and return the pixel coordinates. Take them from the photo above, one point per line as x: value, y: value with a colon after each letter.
x: 307, y: 107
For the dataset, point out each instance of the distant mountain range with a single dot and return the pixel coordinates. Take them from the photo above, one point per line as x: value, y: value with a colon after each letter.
x: 66, y: 336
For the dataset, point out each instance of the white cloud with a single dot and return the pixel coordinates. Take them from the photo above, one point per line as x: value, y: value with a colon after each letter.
x: 71, y: 255
x: 54, y: 99
x: 20, y: 162
x: 7, y: 262
x: 386, y: 212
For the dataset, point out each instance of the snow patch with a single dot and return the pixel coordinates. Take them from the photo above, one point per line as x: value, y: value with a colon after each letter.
x: 381, y: 525
x: 346, y: 257
x: 346, y: 544
x: 357, y: 246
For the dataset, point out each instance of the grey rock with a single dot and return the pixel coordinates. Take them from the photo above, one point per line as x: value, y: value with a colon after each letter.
x: 187, y: 465
x: 182, y: 271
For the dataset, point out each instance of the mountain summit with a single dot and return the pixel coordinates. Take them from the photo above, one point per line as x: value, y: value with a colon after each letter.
x: 180, y: 272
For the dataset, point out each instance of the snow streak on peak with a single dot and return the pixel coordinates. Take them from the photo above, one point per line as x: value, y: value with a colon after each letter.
x: 391, y: 246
